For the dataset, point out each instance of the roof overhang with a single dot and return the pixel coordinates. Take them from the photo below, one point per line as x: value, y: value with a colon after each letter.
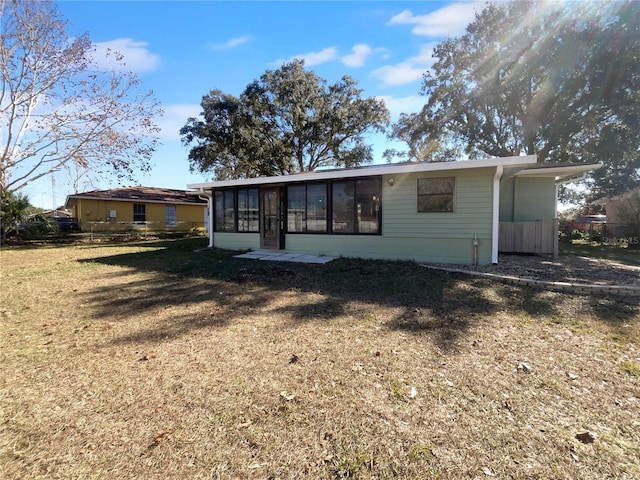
x: 560, y: 173
x: 389, y: 169
x: 73, y: 200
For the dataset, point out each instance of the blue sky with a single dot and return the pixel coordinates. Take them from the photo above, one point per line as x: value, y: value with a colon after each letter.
x: 183, y: 49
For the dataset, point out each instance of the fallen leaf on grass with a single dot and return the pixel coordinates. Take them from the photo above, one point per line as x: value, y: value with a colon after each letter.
x: 586, y: 437
x: 160, y: 438
x: 524, y: 367
x: 287, y: 396
x: 488, y: 472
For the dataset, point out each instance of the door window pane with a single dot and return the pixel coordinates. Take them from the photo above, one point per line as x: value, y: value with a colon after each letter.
x: 270, y: 214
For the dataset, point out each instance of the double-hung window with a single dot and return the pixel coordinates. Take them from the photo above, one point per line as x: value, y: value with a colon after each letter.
x: 139, y: 212
x: 170, y: 217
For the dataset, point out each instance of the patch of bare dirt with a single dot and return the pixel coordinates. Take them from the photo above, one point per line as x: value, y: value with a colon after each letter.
x: 571, y: 269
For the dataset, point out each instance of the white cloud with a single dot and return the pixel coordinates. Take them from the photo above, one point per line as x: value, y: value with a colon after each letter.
x: 316, y: 58
x: 231, y: 43
x: 135, y: 55
x: 175, y: 116
x: 398, y: 105
x: 360, y: 53
x: 446, y: 21
x: 401, y: 74
x: 409, y: 71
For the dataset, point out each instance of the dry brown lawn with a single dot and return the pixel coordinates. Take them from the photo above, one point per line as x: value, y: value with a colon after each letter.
x: 152, y: 360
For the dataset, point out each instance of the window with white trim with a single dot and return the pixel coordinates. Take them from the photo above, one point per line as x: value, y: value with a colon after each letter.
x: 170, y: 216
x: 139, y: 212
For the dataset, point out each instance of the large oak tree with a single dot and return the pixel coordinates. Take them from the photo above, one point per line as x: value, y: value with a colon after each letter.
x: 561, y: 81
x: 58, y: 108
x: 288, y: 121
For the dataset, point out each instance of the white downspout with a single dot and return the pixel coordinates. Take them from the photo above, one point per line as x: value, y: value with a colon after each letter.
x: 209, y: 197
x: 495, y: 230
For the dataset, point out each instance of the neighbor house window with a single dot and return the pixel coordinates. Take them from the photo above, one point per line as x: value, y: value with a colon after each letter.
x: 436, y: 194
x: 170, y: 217
x: 225, y: 211
x: 307, y: 208
x: 248, y: 212
x: 139, y: 212
x: 356, y: 206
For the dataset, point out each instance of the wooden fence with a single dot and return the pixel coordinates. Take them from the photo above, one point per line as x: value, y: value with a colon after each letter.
x: 529, y: 237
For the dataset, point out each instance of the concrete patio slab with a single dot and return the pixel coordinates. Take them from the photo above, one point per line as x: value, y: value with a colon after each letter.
x: 275, y: 256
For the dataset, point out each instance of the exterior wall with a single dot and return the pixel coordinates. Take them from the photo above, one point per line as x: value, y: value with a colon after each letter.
x: 444, y: 237
x: 506, y: 199
x: 237, y: 241
x: 527, y: 215
x: 534, y: 199
x: 527, y: 199
x: 93, y: 210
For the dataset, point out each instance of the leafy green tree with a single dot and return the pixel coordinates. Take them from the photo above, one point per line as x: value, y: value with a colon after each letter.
x: 14, y: 209
x: 629, y: 214
x: 287, y: 121
x: 561, y: 81
x: 59, y: 108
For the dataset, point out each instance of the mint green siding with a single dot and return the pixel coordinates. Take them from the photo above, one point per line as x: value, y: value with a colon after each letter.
x: 506, y: 199
x: 411, y: 235
x: 527, y: 199
x: 236, y: 241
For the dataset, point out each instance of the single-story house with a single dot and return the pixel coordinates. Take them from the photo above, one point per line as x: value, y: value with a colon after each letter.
x: 57, y: 214
x: 135, y: 207
x: 448, y: 212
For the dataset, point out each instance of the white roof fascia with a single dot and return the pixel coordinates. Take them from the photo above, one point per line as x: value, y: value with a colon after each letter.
x: 371, y: 171
x: 559, y: 173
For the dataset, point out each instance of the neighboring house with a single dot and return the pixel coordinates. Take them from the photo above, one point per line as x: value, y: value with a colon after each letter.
x: 623, y: 215
x: 449, y: 212
x: 57, y: 214
x: 135, y: 207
